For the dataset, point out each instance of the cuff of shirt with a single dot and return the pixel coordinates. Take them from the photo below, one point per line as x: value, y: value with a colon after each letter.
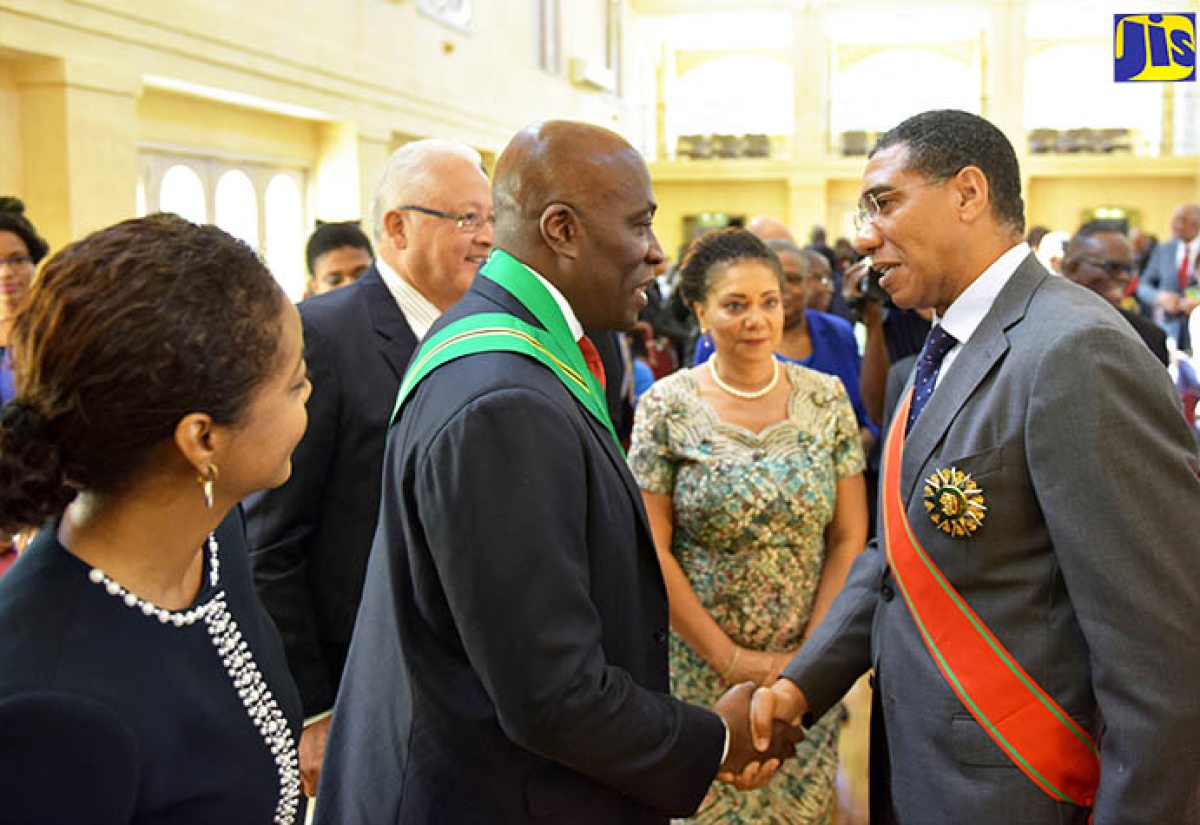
x: 725, y: 747
x: 320, y: 717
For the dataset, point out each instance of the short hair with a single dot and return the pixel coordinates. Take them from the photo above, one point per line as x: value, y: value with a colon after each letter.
x: 406, y: 175
x: 330, y: 236
x: 942, y: 143
x: 12, y: 219
x: 1095, y: 227
x: 720, y: 248
x: 124, y: 333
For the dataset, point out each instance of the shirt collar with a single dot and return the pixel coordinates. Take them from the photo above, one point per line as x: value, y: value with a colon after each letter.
x: 568, y: 313
x: 417, y: 310
x: 964, y: 316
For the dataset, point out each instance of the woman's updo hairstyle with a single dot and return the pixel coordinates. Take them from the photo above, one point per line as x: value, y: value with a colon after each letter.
x: 715, y: 250
x: 124, y: 333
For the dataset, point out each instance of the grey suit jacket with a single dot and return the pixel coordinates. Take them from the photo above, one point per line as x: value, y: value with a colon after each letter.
x: 1084, y: 568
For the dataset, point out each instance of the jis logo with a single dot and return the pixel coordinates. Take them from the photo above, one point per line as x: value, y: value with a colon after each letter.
x: 1154, y: 47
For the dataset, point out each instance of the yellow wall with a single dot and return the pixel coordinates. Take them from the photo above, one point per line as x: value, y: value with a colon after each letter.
x: 679, y: 198
x: 86, y: 84
x: 1059, y: 203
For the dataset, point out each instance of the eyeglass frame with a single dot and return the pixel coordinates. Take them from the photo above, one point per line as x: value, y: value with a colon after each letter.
x: 1111, y: 268
x: 869, y: 208
x: 18, y: 262
x: 465, y: 222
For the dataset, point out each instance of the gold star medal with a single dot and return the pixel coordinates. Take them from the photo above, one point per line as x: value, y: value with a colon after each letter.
x: 954, y: 502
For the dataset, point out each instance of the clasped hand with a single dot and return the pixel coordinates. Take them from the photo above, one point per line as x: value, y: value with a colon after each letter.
x: 758, y: 745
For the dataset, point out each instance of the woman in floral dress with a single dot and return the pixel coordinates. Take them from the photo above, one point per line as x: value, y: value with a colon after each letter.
x: 751, y: 470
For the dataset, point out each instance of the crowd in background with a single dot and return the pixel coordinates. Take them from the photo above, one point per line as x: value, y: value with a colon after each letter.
x: 750, y: 394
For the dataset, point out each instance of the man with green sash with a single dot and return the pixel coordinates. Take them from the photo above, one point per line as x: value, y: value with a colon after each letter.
x: 1028, y: 605
x: 509, y: 663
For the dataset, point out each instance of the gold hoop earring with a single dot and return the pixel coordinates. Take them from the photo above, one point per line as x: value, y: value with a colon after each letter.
x: 206, y: 484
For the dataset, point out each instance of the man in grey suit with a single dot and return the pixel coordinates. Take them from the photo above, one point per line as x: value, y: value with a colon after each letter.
x: 1030, y: 603
x: 1168, y: 283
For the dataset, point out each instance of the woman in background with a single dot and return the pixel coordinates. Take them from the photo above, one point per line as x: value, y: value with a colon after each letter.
x: 21, y: 249
x: 160, y: 380
x: 751, y: 470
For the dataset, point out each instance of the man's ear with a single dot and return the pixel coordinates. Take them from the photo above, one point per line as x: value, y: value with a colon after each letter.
x: 395, y: 229
x: 560, y: 228
x: 198, y: 440
x: 973, y: 193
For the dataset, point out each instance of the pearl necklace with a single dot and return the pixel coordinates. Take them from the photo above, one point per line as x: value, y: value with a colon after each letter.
x: 176, y: 617
x: 736, y: 393
x: 235, y: 654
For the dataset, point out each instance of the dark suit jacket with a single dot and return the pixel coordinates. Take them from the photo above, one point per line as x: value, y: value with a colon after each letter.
x: 510, y: 659
x: 1084, y: 568
x: 311, y: 537
x: 1151, y: 333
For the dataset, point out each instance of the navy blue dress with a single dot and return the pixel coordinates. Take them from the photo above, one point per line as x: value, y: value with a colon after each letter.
x: 114, y: 714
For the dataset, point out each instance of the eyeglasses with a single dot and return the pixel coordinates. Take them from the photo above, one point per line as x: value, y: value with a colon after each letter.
x: 17, y: 262
x: 1111, y: 268
x: 873, y: 204
x: 468, y: 222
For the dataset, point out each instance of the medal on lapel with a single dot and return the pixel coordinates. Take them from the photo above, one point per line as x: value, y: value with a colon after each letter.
x: 954, y: 502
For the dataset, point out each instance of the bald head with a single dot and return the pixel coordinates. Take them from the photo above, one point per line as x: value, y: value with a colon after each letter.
x: 766, y: 228
x: 573, y: 201
x: 555, y: 162
x: 1185, y: 223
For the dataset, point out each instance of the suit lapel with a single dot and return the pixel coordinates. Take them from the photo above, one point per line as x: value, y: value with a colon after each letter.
x: 975, y: 361
x: 393, y: 334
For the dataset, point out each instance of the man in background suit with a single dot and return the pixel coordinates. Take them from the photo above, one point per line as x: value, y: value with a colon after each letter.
x: 1168, y: 283
x: 510, y: 659
x: 1100, y: 258
x: 1072, y: 541
x: 311, y: 537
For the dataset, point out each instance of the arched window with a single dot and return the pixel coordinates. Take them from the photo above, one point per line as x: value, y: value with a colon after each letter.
x: 182, y: 192
x: 879, y: 91
x: 735, y: 95
x: 1071, y: 87
x: 285, y: 241
x: 237, y: 206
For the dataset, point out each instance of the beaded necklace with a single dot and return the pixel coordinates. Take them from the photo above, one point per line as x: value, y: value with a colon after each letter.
x: 243, y: 672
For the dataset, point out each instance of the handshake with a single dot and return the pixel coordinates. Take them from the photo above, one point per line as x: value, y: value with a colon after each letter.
x: 764, y: 728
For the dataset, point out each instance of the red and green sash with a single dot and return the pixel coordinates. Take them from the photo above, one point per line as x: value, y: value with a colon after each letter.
x: 1038, y: 735
x: 552, y: 345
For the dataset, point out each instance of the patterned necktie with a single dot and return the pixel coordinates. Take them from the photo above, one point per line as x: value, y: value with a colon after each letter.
x: 936, y: 346
x: 592, y: 356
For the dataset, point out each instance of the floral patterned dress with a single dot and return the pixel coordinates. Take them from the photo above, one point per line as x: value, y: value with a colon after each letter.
x: 750, y: 517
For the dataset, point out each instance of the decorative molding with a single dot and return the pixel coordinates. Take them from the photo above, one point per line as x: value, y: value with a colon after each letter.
x: 457, y: 14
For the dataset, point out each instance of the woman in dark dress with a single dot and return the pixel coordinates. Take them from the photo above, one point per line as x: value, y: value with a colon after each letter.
x: 160, y: 380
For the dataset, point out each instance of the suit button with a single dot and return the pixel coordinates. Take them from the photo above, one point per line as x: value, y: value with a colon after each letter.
x: 660, y: 635
x: 887, y: 592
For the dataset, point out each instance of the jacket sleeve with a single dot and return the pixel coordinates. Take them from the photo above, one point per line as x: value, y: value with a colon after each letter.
x: 281, y: 525
x: 66, y: 759
x: 1106, y: 439
x: 504, y: 498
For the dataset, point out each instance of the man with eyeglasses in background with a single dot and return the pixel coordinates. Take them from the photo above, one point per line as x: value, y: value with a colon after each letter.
x: 310, y: 539
x: 1100, y: 258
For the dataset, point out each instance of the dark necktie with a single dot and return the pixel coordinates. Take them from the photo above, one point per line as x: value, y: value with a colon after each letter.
x: 937, y: 344
x: 592, y: 356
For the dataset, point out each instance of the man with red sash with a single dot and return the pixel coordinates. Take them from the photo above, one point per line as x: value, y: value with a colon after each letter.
x: 509, y: 661
x: 1029, y: 604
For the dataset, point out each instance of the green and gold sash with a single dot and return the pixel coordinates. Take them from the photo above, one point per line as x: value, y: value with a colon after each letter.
x: 552, y: 344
